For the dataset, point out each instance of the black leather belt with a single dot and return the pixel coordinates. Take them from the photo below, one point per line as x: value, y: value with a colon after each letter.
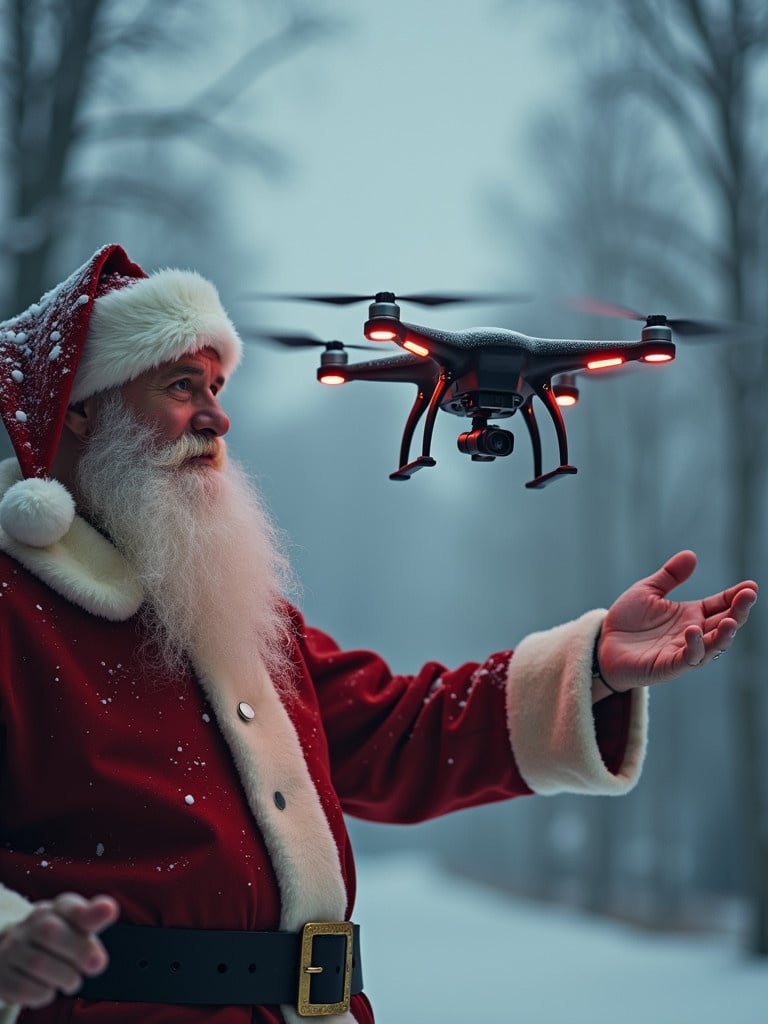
x: 315, y: 970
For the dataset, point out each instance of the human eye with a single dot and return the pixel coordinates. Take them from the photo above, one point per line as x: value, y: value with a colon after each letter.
x: 183, y: 385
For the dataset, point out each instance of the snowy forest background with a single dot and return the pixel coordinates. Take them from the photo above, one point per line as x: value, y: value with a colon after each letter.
x: 610, y: 148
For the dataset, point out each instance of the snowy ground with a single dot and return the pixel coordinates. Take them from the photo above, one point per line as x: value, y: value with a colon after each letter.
x: 444, y: 951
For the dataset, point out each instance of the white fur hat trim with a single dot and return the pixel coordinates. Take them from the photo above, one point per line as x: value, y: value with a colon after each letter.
x: 37, y: 512
x: 154, y: 321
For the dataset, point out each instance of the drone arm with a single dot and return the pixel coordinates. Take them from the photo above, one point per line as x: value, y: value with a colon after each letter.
x: 407, y: 368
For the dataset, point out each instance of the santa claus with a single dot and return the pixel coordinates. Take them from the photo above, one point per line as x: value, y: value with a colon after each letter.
x: 179, y: 747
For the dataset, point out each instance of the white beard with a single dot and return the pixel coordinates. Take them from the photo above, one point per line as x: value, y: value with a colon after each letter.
x: 198, y: 537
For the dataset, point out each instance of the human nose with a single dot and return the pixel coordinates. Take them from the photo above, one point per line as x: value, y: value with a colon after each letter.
x: 211, y: 418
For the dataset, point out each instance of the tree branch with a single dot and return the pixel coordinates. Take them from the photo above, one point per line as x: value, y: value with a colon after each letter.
x: 218, y: 94
x: 701, y: 149
x: 117, y: 190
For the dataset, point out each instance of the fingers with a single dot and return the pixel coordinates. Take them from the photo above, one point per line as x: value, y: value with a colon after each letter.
x: 695, y: 650
x: 736, y: 599
x: 53, y: 948
x: 92, y: 915
x: 701, y: 648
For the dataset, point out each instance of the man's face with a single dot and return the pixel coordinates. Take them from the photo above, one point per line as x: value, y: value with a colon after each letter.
x: 179, y: 397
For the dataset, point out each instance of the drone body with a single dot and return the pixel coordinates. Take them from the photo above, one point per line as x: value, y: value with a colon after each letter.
x: 485, y: 374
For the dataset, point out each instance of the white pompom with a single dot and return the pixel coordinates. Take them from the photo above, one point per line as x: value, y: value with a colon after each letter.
x: 37, y: 512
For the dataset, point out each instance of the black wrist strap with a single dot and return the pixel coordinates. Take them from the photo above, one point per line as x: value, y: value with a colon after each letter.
x: 597, y: 672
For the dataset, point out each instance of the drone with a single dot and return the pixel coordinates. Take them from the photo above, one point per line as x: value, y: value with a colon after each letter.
x: 484, y: 373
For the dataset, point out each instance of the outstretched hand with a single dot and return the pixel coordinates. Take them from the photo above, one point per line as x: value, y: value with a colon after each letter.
x: 647, y: 639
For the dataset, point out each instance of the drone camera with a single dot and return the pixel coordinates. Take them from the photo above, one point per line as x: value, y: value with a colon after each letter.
x: 487, y: 441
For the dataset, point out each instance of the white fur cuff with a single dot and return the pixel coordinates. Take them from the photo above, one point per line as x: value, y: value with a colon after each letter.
x: 550, y: 720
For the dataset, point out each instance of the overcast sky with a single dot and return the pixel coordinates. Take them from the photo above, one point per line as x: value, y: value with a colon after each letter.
x: 396, y: 128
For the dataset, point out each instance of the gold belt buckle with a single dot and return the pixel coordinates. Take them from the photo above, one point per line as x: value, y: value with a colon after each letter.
x: 304, y: 1005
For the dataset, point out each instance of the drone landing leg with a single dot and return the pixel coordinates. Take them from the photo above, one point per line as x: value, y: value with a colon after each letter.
x: 417, y: 410
x: 533, y: 432
x: 544, y: 391
x: 405, y: 472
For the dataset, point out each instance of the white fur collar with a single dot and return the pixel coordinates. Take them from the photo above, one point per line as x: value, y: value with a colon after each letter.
x: 83, y: 566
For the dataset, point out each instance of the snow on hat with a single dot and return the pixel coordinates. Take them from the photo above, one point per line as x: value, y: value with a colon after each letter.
x: 102, y: 327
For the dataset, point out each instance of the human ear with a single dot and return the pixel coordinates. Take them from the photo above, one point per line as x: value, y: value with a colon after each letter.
x: 79, y: 418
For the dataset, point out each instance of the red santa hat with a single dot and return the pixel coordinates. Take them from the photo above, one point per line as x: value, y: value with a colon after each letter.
x: 102, y: 327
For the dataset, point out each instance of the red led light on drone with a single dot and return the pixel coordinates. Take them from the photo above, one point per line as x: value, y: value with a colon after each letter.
x: 657, y: 357
x: 566, y: 400
x: 382, y: 334
x: 332, y: 378
x: 604, y: 364
x: 416, y: 348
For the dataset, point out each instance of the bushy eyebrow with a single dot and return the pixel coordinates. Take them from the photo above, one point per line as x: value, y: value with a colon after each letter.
x: 189, y: 369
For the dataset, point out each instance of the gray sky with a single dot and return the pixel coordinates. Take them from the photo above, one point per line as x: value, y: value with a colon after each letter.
x: 396, y: 127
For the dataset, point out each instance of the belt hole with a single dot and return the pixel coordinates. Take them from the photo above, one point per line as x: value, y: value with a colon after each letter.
x: 222, y: 968
x: 175, y: 966
x: 251, y: 968
x: 142, y: 965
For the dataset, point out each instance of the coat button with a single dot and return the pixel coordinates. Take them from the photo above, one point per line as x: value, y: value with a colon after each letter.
x: 245, y: 711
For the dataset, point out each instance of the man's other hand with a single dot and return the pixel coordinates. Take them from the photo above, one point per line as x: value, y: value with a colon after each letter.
x: 53, y: 948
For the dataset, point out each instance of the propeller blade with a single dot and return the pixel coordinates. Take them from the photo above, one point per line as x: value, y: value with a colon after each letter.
x: 418, y: 298
x: 685, y: 327
x: 595, y: 307
x: 333, y: 300
x: 447, y: 299
x: 690, y: 328
x: 290, y: 340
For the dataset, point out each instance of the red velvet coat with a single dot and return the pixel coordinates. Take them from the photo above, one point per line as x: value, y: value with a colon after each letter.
x: 155, y: 791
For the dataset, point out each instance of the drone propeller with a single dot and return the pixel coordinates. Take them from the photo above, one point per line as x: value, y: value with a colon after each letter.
x: 684, y: 327
x: 289, y: 340
x: 420, y: 298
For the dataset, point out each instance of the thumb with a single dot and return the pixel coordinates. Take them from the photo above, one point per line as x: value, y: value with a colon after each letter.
x: 676, y: 570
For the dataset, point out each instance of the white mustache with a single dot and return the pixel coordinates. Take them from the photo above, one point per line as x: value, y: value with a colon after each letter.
x: 188, y: 446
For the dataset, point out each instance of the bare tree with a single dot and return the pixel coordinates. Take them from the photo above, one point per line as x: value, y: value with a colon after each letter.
x: 688, y: 83
x: 701, y: 68
x: 586, y: 246
x: 77, y: 117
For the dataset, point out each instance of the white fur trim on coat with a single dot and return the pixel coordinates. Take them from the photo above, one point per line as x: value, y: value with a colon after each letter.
x: 270, y: 761
x: 156, y: 320
x: 549, y: 714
